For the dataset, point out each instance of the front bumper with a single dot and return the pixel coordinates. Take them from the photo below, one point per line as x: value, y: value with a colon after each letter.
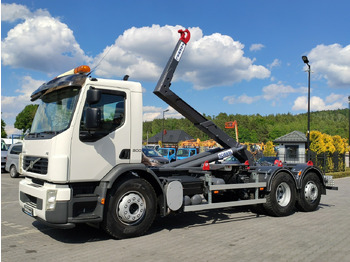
x: 35, y: 200
x: 330, y: 184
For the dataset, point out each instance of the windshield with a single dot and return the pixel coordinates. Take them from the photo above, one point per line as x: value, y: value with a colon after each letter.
x: 182, y: 152
x: 163, y: 152
x: 55, y: 110
x: 150, y: 152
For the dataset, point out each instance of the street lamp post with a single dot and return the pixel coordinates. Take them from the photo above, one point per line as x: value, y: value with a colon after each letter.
x: 306, y: 61
x: 163, y: 125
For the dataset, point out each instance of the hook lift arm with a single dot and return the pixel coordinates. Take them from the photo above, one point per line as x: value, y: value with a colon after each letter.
x: 162, y: 90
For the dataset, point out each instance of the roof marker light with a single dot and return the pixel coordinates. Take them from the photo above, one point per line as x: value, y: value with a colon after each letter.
x: 82, y: 69
x: 78, y: 70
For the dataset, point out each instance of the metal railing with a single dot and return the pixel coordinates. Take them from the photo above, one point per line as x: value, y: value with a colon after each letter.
x: 327, y: 162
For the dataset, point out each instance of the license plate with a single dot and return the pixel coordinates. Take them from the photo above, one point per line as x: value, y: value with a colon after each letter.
x: 28, y: 210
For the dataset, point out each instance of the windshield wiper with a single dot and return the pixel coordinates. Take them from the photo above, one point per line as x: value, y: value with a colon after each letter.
x: 43, y: 133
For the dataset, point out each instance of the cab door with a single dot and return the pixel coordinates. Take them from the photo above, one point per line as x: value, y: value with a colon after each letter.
x: 95, y: 152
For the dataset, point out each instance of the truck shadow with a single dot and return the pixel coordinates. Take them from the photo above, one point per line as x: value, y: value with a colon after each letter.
x: 83, y: 233
x: 203, y: 218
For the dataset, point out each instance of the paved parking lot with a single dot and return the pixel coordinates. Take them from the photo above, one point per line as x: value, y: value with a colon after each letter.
x: 224, y: 235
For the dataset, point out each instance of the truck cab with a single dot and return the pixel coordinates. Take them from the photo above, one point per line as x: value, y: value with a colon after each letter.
x: 169, y: 153
x: 83, y: 128
x: 183, y: 153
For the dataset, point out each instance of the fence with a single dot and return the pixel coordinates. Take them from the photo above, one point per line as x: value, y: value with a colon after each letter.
x: 327, y: 162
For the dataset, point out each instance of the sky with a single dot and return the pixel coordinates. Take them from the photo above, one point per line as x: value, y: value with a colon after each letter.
x: 244, y: 57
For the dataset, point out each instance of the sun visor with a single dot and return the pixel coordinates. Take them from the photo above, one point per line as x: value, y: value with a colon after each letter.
x: 57, y: 83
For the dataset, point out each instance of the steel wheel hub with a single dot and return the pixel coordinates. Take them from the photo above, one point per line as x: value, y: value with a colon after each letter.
x: 283, y: 194
x: 131, y: 208
x: 310, y: 191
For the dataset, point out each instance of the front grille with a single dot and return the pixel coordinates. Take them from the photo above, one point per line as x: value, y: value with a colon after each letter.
x: 31, y: 201
x: 35, y: 164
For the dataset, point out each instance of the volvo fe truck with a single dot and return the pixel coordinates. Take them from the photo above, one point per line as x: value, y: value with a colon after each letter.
x: 82, y: 161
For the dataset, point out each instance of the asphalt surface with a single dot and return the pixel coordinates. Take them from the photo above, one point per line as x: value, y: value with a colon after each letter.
x: 222, y: 235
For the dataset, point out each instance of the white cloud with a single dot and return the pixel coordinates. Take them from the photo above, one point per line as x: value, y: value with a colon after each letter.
x: 214, y: 60
x: 274, y: 63
x: 317, y: 103
x: 256, y: 47
x: 11, y: 106
x: 334, y: 97
x: 151, y: 112
x: 271, y: 92
x: 277, y: 91
x: 332, y: 62
x: 243, y: 99
x: 13, y: 12
x: 42, y: 43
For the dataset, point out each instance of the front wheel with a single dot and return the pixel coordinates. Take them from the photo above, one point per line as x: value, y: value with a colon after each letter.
x: 281, y: 199
x: 310, y: 193
x: 13, y: 171
x: 131, y: 209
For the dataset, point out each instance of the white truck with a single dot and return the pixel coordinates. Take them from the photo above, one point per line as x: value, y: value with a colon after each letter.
x: 82, y: 161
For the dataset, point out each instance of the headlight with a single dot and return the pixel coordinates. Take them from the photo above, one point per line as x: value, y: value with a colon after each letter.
x: 51, y: 199
x: 154, y: 161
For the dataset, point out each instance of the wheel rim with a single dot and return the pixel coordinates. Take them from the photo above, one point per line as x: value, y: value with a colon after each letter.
x: 283, y: 194
x: 12, y: 172
x: 311, y: 191
x: 131, y: 208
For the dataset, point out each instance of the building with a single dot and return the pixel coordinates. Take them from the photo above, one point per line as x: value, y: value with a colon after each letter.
x: 170, y: 137
x: 292, y: 147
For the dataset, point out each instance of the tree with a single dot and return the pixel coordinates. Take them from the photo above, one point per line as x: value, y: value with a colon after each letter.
x: 339, y: 144
x: 328, y: 141
x: 317, y: 143
x: 25, y: 118
x: 3, y: 132
x: 269, y: 149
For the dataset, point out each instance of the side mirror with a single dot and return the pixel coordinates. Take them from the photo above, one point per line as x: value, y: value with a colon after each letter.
x: 93, y: 96
x: 92, y: 118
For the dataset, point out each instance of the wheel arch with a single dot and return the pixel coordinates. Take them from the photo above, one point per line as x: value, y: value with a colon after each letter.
x: 122, y: 171
x: 316, y: 171
x: 276, y: 173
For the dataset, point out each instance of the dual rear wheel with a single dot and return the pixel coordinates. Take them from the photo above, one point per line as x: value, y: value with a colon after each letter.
x: 283, y: 197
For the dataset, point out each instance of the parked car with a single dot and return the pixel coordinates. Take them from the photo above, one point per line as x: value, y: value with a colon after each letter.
x: 3, y: 154
x: 267, y: 160
x: 155, y: 147
x: 151, y: 157
x: 169, y: 153
x: 231, y: 160
x: 12, y: 162
x: 185, y: 152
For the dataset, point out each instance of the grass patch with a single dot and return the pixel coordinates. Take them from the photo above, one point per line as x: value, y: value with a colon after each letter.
x: 345, y: 173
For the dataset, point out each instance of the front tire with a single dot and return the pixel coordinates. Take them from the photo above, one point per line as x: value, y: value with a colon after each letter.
x: 131, y: 209
x: 310, y: 193
x: 281, y: 199
x: 13, y: 171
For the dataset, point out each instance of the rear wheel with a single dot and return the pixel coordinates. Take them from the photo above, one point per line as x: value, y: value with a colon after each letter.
x: 131, y: 209
x: 310, y: 193
x: 13, y: 171
x: 281, y: 199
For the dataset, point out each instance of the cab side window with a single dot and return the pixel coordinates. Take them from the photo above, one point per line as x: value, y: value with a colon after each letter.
x: 112, y: 108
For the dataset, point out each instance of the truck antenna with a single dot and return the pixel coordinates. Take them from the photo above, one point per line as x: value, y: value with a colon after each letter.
x: 98, y: 64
